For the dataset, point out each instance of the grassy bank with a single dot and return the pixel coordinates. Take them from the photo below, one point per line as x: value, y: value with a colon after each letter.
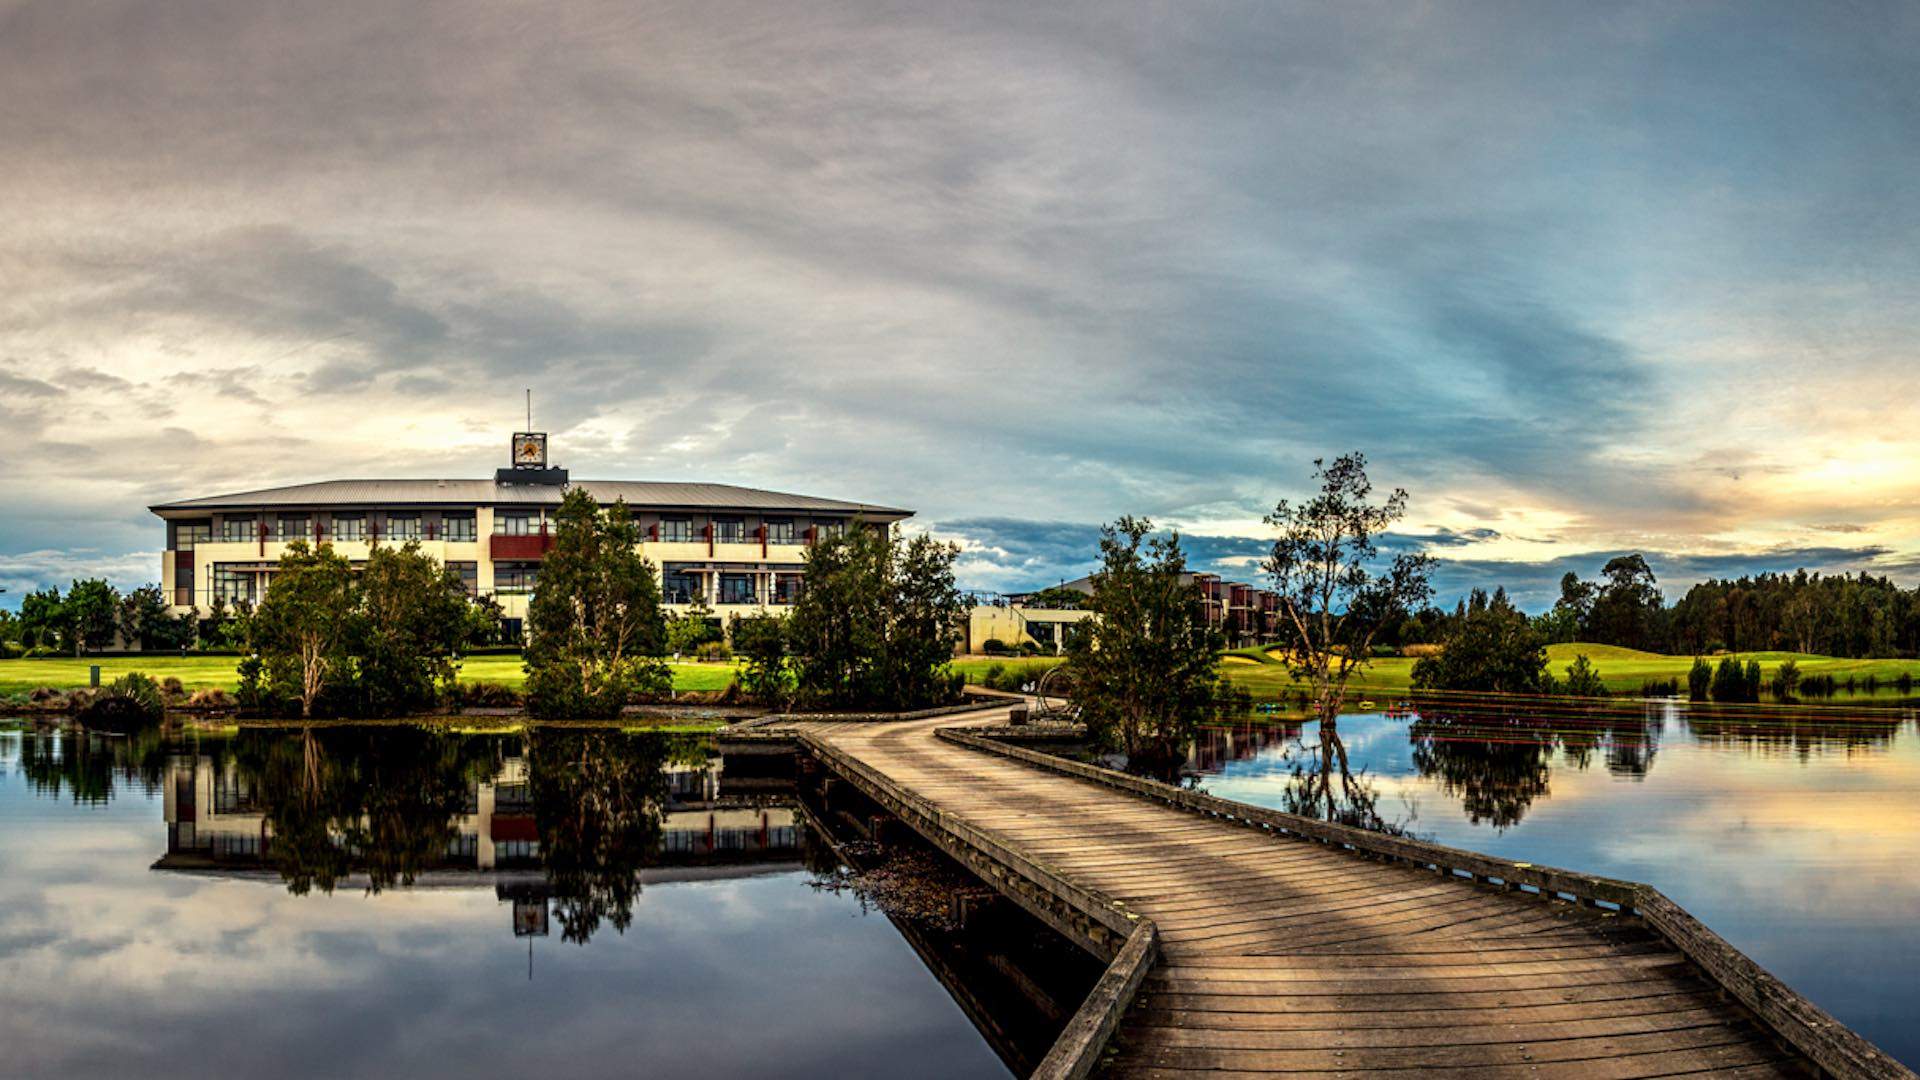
x: 1624, y: 670
x: 194, y: 672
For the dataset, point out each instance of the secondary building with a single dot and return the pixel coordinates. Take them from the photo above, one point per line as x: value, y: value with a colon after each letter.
x: 740, y: 549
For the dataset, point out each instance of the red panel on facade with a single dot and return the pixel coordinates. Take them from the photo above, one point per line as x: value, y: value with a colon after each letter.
x: 514, y: 827
x: 533, y: 546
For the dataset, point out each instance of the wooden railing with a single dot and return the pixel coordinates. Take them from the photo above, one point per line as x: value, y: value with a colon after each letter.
x: 1831, y: 1045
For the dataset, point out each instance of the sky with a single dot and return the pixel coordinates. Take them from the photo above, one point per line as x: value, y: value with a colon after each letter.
x: 1583, y: 278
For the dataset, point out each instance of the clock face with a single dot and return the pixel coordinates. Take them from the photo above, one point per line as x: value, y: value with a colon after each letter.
x: 529, y: 448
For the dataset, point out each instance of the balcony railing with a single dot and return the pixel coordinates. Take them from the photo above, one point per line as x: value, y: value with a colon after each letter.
x: 530, y: 546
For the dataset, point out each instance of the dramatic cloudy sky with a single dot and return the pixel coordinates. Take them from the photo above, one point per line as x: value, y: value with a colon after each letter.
x: 1584, y: 278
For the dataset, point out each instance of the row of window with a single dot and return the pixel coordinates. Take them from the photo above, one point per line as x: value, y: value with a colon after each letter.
x: 235, y: 585
x: 678, y: 585
x: 458, y: 528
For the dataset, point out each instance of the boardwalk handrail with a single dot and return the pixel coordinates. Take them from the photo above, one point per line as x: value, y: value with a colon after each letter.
x: 1834, y: 1047
x: 1075, y: 1053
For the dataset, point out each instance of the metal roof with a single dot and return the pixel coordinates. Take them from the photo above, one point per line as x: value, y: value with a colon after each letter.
x: 637, y: 493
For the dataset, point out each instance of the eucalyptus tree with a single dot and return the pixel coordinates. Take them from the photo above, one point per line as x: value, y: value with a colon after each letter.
x: 1143, y: 668
x: 595, y: 632
x: 1335, y: 595
x: 304, y: 628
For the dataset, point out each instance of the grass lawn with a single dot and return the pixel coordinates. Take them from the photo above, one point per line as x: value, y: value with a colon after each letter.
x: 194, y: 672
x: 1624, y: 670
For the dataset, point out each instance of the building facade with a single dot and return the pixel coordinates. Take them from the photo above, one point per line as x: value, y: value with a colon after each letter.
x: 740, y: 549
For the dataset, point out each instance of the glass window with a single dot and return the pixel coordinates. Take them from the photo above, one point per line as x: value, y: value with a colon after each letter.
x: 515, y: 578
x: 679, y: 585
x: 827, y: 530
x: 786, y: 588
x: 235, y: 585
x: 781, y: 532
x: 237, y: 529
x: 189, y: 534
x: 403, y: 526
x: 736, y: 589
x: 516, y: 522
x: 676, y: 530
x: 350, y: 527
x: 291, y: 527
x: 729, y: 530
x: 469, y: 575
x: 458, y: 528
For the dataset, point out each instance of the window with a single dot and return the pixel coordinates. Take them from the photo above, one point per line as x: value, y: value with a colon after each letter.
x: 291, y: 527
x: 515, y: 578
x: 237, y: 529
x: 233, y: 585
x: 516, y: 522
x: 350, y: 527
x: 676, y: 530
x: 736, y: 589
x: 459, y: 528
x: 189, y: 534
x: 679, y: 586
x: 469, y: 575
x: 511, y: 630
x: 786, y: 588
x: 403, y: 526
x: 827, y: 530
x: 728, y: 531
x: 781, y: 532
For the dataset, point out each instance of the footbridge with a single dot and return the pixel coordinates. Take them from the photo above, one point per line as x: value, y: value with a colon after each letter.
x: 1247, y: 942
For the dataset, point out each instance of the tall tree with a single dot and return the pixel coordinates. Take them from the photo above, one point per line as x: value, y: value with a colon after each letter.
x: 596, y: 635
x: 304, y: 626
x: 1143, y: 669
x: 1334, y: 596
x: 415, y: 623
x: 1627, y: 609
x: 44, y: 620
x: 93, y: 609
x: 144, y: 622
x: 877, y: 620
x: 1490, y: 646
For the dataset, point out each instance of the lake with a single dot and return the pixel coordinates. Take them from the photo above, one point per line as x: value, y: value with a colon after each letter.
x: 389, y: 901
x: 1793, y: 833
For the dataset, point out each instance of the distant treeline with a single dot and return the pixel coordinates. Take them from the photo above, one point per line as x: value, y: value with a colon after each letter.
x: 1850, y: 615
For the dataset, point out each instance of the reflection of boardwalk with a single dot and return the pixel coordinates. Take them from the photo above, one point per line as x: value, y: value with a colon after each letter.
x: 1284, y: 956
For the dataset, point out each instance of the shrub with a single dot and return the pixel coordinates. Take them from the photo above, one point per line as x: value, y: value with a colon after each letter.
x: 1418, y: 651
x: 11, y: 650
x: 1786, y: 679
x: 130, y: 700
x: 993, y: 646
x: 1029, y: 648
x: 40, y: 695
x: 484, y: 695
x: 1660, y: 688
x: 715, y: 650
x: 39, y: 652
x: 1699, y: 679
x: 209, y: 697
x: 1583, y: 679
x: 172, y: 686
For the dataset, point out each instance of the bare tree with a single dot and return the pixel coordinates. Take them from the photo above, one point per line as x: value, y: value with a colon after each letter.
x: 1334, y: 594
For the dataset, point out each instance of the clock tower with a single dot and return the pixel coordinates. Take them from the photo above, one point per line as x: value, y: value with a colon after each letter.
x: 528, y: 462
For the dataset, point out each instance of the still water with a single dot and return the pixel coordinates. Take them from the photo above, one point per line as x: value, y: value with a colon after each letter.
x: 1795, y: 834
x: 397, y: 902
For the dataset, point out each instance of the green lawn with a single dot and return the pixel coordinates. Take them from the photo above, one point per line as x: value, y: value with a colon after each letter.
x: 1624, y: 670
x: 194, y: 672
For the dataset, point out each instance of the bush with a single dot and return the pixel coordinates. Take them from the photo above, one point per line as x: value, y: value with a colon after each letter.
x: 1699, y: 679
x: 1418, y: 651
x: 210, y: 697
x: 993, y: 646
x: 714, y: 650
x: 131, y: 700
x: 1660, y: 688
x: 11, y: 650
x: 1786, y: 680
x: 39, y: 652
x: 172, y: 686
x: 1583, y: 679
x: 40, y: 695
x: 484, y: 695
x: 1029, y: 648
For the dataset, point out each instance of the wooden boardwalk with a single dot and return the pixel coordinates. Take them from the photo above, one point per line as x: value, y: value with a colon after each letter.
x: 1278, y: 955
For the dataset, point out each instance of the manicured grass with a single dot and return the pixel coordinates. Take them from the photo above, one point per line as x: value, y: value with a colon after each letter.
x: 194, y: 672
x: 1624, y: 670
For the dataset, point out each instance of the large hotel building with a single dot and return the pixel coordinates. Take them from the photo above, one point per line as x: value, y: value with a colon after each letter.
x: 740, y: 548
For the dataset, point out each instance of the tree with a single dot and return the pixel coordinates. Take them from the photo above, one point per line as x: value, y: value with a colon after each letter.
x: 877, y: 621
x: 1583, y: 679
x: 596, y: 633
x: 304, y: 627
x: 1490, y: 647
x: 1143, y: 672
x: 687, y: 631
x: 414, y: 624
x: 1699, y: 679
x: 1574, y: 610
x: 761, y: 642
x: 1058, y: 597
x: 92, y: 609
x: 1786, y: 680
x: 44, y: 620
x: 144, y: 622
x: 1627, y: 609
x: 1333, y: 597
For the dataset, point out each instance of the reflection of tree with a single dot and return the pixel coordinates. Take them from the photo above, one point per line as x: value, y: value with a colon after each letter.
x: 1495, y: 768
x: 88, y: 764
x: 382, y: 799
x: 598, y: 798
x: 1324, y: 785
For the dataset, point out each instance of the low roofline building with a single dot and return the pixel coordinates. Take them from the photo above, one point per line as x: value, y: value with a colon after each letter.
x: 738, y: 548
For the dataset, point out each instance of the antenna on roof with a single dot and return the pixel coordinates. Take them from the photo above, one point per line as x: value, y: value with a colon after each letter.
x: 529, y: 408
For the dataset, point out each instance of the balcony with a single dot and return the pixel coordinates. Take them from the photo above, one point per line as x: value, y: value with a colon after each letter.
x: 531, y: 546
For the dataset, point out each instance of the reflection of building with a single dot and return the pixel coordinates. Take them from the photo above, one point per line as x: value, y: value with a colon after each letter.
x: 739, y: 548
x: 215, y: 821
